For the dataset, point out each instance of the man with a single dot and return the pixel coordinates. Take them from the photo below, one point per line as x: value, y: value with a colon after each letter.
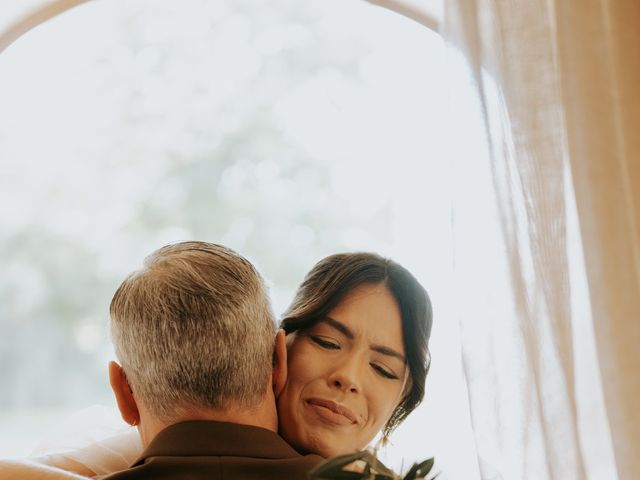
x: 198, y: 374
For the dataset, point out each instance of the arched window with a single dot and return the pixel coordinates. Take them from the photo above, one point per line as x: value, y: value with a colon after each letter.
x: 287, y: 130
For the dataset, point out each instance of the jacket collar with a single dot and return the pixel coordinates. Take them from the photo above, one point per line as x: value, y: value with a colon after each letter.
x: 208, y: 438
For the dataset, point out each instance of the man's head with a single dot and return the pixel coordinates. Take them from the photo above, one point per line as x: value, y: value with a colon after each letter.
x: 193, y: 331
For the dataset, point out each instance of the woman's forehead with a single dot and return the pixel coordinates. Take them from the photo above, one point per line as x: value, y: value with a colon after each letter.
x: 369, y: 311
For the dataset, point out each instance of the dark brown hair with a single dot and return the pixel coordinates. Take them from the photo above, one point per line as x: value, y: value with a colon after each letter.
x: 333, y: 277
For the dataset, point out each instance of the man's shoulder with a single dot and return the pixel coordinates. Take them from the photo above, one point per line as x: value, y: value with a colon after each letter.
x: 214, y: 468
x: 217, y: 450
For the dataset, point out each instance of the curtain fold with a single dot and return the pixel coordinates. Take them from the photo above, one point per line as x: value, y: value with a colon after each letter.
x: 599, y: 50
x: 554, y: 85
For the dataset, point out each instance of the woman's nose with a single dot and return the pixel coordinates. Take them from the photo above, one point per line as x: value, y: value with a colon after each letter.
x: 345, y: 377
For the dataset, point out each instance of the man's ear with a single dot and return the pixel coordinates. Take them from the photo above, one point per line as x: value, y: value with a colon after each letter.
x: 279, y: 363
x: 124, y: 395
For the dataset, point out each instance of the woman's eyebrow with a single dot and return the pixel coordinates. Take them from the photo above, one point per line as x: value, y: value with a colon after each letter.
x: 388, y: 351
x: 341, y: 327
x: 346, y: 331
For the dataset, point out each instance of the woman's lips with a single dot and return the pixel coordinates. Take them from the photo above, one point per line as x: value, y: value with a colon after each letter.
x: 332, y: 412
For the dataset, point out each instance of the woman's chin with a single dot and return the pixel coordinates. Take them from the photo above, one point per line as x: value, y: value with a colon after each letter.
x: 321, y: 445
x: 310, y: 438
x: 328, y: 451
x: 328, y: 447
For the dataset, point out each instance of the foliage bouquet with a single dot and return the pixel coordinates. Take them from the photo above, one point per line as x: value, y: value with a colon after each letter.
x: 364, y: 465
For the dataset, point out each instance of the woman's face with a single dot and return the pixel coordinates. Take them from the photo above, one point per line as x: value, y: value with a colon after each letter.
x: 345, y: 375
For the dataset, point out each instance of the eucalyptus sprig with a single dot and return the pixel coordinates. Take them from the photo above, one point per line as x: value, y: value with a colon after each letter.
x: 364, y: 465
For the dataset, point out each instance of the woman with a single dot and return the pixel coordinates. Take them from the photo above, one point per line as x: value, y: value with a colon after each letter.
x: 357, y: 341
x: 358, y: 332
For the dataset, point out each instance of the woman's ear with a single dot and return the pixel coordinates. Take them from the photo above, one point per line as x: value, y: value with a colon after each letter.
x: 124, y: 395
x: 279, y: 375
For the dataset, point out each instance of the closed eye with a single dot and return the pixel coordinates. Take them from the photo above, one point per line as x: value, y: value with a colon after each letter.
x: 384, y: 372
x: 324, y: 343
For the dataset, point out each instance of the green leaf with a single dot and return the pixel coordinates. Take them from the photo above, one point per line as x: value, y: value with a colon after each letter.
x: 420, y: 470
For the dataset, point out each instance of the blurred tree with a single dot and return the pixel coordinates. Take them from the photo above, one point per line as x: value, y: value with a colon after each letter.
x: 221, y: 121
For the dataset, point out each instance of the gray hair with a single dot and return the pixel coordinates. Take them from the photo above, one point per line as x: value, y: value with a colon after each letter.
x: 194, y: 328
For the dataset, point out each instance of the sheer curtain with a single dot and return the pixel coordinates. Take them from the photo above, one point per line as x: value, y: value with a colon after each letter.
x: 546, y: 220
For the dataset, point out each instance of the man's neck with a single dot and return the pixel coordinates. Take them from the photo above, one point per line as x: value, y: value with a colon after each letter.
x: 263, y: 416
